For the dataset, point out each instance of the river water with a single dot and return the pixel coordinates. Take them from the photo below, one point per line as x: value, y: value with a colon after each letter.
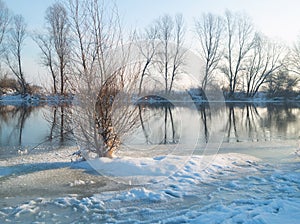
x: 29, y: 127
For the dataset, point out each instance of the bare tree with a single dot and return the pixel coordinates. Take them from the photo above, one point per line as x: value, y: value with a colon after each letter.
x: 106, y: 114
x: 13, y: 55
x: 58, y: 30
x: 240, y: 40
x: 84, y: 53
x: 266, y: 58
x: 210, y: 29
x: 147, y: 45
x: 96, y: 29
x: 4, y: 23
x: 102, y: 79
x: 293, y: 64
x: 171, y: 35
x: 282, y: 84
x: 45, y: 43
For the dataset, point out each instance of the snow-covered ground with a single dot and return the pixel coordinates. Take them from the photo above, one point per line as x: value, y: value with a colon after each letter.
x: 34, y: 100
x: 233, y: 186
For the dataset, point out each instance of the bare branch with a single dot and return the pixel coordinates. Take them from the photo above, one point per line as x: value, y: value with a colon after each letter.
x: 13, y: 56
x: 210, y: 30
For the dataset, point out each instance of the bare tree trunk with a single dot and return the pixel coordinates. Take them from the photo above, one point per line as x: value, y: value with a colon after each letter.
x: 104, y: 105
x: 148, y: 48
x: 62, y: 77
x: 143, y: 75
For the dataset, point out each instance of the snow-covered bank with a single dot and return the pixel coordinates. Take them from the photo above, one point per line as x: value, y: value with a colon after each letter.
x: 179, y: 99
x: 35, y: 100
x: 223, y: 188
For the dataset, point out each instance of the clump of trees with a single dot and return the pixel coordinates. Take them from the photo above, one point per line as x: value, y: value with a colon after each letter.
x: 8, y: 84
x: 247, y: 60
x: 281, y: 84
x: 161, y: 48
x: 233, y: 52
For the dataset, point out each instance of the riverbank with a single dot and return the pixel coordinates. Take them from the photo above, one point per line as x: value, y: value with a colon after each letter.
x: 35, y: 100
x: 178, y: 99
x: 231, y: 186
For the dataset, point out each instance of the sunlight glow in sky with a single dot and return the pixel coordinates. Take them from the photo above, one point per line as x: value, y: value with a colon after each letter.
x: 278, y: 19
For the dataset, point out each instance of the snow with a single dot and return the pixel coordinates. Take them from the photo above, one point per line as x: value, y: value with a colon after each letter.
x: 223, y: 188
x: 34, y: 100
x: 181, y: 98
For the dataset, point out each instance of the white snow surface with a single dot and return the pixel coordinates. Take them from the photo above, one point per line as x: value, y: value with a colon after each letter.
x: 222, y: 188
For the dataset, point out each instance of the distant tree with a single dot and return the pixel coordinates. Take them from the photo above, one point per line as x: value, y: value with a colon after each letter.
x: 239, y: 41
x: 83, y: 44
x: 45, y: 43
x: 281, y: 84
x: 95, y: 32
x: 8, y: 83
x: 265, y: 59
x: 15, y: 45
x: 293, y: 64
x: 148, y: 47
x: 171, y: 35
x: 209, y: 29
x: 4, y: 23
x: 58, y: 30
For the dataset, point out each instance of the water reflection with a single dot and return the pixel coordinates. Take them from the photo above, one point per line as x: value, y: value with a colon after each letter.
x: 250, y: 122
x: 205, y: 115
x: 60, y: 122
x: 167, y: 124
x: 12, y: 122
x: 239, y: 123
x: 157, y: 124
x: 33, y: 126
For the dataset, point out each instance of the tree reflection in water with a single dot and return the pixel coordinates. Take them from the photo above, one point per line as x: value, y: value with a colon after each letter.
x: 264, y: 122
x: 60, y: 121
x: 157, y: 122
x: 15, y: 118
x: 26, y: 126
x: 243, y: 122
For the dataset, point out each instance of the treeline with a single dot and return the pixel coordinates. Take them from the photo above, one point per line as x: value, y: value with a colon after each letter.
x: 79, y: 42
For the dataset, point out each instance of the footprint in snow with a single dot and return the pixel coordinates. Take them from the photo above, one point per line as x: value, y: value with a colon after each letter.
x: 158, y: 158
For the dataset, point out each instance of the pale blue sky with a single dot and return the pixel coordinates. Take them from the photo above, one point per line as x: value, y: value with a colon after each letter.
x: 278, y: 19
